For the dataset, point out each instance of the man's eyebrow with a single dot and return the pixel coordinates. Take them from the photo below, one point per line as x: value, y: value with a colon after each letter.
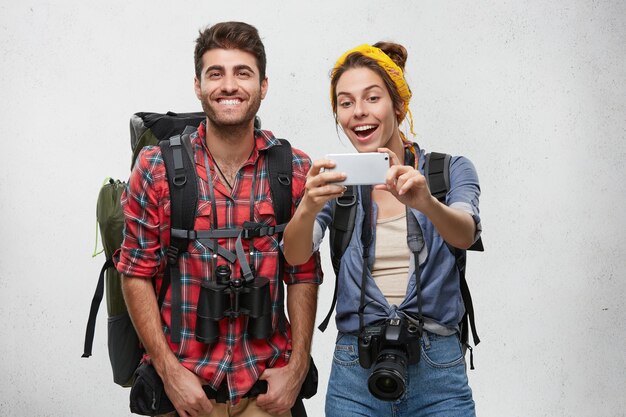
x: 244, y: 67
x: 235, y: 68
x: 214, y: 68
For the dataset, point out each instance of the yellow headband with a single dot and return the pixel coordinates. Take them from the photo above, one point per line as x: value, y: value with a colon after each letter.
x: 390, y: 67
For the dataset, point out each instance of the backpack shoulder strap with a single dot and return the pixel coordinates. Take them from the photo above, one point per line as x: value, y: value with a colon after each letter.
x: 95, y: 306
x: 181, y: 177
x: 340, y: 228
x: 342, y: 224
x: 437, y: 173
x: 279, y: 163
x: 280, y: 171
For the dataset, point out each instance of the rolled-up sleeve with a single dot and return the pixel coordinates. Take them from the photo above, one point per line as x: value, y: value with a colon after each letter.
x: 141, y: 252
x: 464, y: 191
x: 309, y: 272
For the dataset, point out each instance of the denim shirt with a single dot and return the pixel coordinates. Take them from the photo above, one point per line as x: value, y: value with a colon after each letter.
x: 442, y: 304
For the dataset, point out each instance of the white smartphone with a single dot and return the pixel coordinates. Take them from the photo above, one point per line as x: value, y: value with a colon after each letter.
x: 368, y: 168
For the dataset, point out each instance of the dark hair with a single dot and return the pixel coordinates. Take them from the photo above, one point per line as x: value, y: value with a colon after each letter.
x: 230, y: 35
x: 398, y: 55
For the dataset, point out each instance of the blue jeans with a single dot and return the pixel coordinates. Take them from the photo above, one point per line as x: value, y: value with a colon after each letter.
x: 436, y: 386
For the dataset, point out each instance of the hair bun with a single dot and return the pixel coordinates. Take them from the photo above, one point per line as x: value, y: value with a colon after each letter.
x: 395, y: 51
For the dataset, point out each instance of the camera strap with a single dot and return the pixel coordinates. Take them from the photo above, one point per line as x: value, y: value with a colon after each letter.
x: 366, y: 240
x: 414, y: 235
x: 209, y: 237
x: 248, y: 276
x: 415, y: 241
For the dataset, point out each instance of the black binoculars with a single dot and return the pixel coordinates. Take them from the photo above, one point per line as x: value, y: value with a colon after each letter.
x: 224, y: 297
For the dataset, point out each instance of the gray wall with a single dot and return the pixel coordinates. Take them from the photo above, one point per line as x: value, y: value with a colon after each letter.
x: 532, y: 92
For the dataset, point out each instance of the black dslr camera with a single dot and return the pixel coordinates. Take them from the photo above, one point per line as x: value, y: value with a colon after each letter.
x: 391, y: 347
x: 224, y: 297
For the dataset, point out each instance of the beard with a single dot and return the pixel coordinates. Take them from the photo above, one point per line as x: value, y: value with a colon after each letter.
x: 231, y: 120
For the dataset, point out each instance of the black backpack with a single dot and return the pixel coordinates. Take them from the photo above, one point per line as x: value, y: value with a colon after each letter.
x: 437, y: 173
x: 171, y: 132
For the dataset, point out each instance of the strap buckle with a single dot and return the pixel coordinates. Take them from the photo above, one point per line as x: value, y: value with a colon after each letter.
x: 253, y: 229
x: 346, y: 200
x: 172, y: 255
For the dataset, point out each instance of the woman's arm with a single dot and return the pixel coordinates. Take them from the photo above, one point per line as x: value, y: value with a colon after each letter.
x: 455, y: 226
x: 410, y: 187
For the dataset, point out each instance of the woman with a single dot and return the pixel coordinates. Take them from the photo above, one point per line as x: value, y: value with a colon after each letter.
x: 424, y: 371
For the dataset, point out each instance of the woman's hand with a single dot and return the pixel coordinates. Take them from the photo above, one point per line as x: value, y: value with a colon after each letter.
x: 407, y: 184
x: 410, y: 187
x: 320, y: 186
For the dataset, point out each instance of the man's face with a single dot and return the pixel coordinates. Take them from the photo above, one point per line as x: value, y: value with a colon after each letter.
x: 229, y: 87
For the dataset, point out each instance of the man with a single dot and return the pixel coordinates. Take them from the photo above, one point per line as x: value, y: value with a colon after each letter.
x: 233, y: 187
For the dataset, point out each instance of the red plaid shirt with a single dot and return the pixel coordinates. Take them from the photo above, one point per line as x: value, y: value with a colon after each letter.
x: 146, y: 204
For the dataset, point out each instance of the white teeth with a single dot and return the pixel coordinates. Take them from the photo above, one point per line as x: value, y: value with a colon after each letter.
x: 362, y: 128
x: 230, y: 102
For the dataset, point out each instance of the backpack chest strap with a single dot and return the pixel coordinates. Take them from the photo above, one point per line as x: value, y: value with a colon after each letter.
x: 209, y: 237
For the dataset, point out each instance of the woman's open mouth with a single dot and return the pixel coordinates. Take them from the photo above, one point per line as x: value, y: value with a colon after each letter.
x: 364, y: 131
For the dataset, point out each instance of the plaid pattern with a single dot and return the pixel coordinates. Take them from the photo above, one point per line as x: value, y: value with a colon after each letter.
x: 146, y: 204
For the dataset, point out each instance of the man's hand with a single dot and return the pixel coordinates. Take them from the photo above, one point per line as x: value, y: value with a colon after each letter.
x: 184, y: 390
x: 182, y: 386
x: 283, y: 386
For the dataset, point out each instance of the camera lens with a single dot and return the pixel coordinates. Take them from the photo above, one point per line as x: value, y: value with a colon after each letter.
x: 387, y: 384
x: 388, y: 379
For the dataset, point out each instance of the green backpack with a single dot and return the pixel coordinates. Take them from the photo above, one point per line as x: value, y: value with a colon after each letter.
x: 123, y: 344
x: 124, y: 347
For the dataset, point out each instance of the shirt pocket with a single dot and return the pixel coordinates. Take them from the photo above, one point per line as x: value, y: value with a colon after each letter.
x: 202, y: 222
x: 264, y: 214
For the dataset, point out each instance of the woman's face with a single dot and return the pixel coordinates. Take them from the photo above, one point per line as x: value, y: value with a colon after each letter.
x: 365, y: 110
